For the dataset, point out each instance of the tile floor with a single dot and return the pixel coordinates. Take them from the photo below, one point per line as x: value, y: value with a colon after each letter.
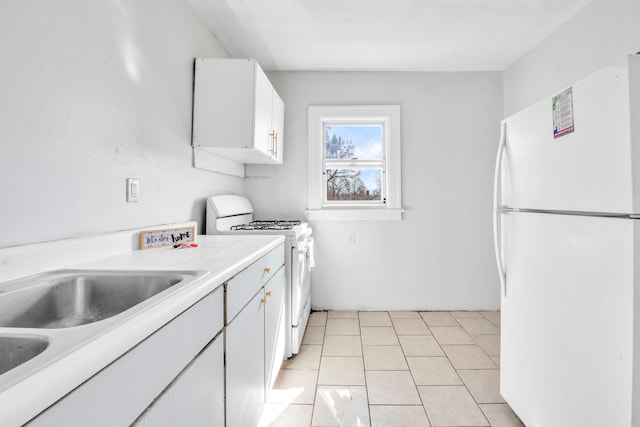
x: 393, y: 369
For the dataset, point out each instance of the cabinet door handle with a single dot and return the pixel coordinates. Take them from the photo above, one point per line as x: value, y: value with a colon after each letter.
x: 267, y: 270
x: 263, y: 300
x: 268, y: 293
x: 272, y: 135
x: 274, y: 143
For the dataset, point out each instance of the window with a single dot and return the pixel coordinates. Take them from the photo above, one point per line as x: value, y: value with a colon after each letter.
x: 354, y: 163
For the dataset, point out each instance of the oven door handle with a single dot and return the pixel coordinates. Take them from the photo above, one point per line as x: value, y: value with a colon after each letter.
x: 309, y: 256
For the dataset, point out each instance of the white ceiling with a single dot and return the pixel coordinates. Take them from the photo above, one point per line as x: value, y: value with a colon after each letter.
x: 409, y: 35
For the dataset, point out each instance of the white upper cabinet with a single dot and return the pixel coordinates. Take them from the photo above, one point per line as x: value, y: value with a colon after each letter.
x: 236, y: 112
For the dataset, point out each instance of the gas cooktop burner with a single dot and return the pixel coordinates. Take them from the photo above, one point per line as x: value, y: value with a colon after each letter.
x: 268, y: 225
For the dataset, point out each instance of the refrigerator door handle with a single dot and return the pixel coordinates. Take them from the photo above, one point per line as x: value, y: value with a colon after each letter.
x: 497, y: 205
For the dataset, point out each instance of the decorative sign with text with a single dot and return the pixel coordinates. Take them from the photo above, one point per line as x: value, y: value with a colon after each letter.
x: 166, y: 237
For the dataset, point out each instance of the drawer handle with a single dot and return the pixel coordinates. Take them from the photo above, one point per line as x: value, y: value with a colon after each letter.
x: 267, y: 270
x: 268, y: 293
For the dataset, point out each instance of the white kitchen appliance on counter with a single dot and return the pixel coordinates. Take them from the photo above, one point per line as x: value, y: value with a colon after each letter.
x: 231, y: 214
x: 567, y: 235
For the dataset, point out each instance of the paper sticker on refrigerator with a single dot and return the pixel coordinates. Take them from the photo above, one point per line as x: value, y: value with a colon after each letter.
x: 562, y: 106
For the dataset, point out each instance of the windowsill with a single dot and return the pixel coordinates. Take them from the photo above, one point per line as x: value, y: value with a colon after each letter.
x: 354, y: 214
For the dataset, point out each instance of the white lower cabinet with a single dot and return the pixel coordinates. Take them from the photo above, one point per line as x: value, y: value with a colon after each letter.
x: 255, y: 339
x: 245, y: 365
x: 196, y: 397
x: 274, y: 328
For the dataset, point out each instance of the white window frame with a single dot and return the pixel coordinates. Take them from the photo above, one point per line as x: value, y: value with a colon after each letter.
x: 386, y: 115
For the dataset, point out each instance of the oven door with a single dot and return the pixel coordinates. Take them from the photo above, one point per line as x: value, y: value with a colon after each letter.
x: 300, y: 283
x: 300, y: 294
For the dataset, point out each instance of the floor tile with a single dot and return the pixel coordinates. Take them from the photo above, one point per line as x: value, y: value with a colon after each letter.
x: 307, y: 358
x: 294, y: 386
x: 501, y: 415
x: 374, y: 318
x: 420, y: 345
x: 451, y: 406
x: 467, y: 314
x: 342, y: 345
x: 395, y: 416
x: 483, y: 384
x: 341, y: 371
x: 341, y: 407
x: 342, y: 315
x: 313, y: 335
x: 404, y: 315
x: 451, y: 335
x: 438, y: 318
x: 410, y: 327
x: 378, y: 335
x: 468, y: 357
x: 492, y: 316
x: 384, y: 358
x: 489, y: 343
x: 340, y: 326
x: 278, y: 415
x: 478, y: 326
x: 317, y: 318
x: 433, y: 371
x: 391, y: 388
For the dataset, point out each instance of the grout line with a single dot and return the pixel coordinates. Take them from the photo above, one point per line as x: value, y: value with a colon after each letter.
x: 315, y: 391
x: 364, y: 372
x: 411, y: 371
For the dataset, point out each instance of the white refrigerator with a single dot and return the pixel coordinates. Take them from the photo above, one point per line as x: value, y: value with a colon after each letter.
x: 567, y: 239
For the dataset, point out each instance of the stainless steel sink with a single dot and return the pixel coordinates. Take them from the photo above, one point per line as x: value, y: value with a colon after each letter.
x: 67, y: 298
x: 17, y: 349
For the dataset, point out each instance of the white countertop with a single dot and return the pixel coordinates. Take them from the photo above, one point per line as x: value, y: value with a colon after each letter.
x: 221, y: 256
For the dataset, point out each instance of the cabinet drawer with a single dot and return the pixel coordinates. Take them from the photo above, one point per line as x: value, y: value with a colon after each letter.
x: 242, y: 287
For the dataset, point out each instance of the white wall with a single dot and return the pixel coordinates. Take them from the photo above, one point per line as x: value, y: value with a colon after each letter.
x: 441, y: 255
x: 601, y: 34
x: 93, y: 92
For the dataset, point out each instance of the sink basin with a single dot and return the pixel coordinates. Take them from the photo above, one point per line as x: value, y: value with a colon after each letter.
x: 63, y: 299
x: 15, y: 350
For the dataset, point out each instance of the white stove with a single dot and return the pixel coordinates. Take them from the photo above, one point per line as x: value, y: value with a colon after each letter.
x: 230, y: 214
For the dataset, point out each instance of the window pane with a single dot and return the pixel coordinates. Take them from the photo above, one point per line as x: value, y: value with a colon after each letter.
x: 354, y: 184
x: 353, y: 142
